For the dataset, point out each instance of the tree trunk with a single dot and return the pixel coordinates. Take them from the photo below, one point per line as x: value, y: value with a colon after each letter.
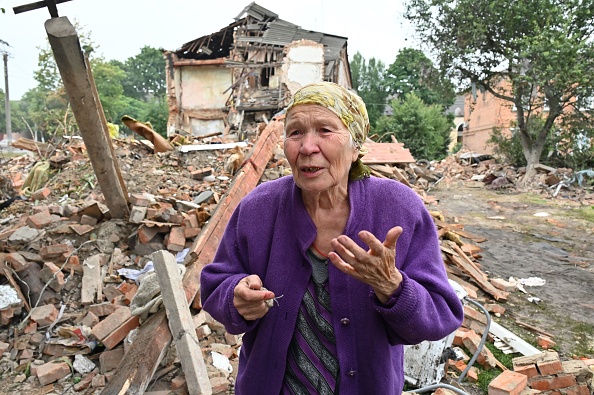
x: 532, y: 148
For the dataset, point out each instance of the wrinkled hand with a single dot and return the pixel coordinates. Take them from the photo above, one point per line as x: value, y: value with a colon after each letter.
x: 249, y: 298
x: 375, y: 266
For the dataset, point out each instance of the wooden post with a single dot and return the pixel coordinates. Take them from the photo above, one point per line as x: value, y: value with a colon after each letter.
x: 70, y: 61
x: 180, y: 323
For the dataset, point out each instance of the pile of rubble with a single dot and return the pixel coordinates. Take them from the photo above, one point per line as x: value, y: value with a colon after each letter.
x: 72, y: 295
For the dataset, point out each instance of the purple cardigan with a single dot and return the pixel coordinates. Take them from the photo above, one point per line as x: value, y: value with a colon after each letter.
x: 269, y: 234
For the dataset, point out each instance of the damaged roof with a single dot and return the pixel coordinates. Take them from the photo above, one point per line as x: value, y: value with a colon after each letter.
x: 257, y: 26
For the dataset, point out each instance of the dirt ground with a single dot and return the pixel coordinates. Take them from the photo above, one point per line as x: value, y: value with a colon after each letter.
x: 531, y: 236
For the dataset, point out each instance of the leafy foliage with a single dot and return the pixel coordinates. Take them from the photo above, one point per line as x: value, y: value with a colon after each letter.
x: 145, y: 75
x: 368, y: 81
x: 537, y: 55
x: 135, y: 87
x: 424, y: 129
x: 414, y: 72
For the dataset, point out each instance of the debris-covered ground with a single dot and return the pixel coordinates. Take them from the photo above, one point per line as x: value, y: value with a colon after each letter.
x: 494, y: 237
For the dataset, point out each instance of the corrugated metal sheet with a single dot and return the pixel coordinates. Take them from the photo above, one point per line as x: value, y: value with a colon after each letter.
x: 274, y: 31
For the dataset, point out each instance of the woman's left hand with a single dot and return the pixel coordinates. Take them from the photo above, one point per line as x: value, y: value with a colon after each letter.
x: 375, y: 266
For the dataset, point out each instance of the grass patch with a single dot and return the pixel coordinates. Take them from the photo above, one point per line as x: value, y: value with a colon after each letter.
x: 583, y: 333
x: 586, y: 213
x: 485, y: 377
x: 532, y: 198
x: 505, y: 359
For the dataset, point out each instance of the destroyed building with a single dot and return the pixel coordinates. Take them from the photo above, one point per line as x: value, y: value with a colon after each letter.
x: 247, y: 71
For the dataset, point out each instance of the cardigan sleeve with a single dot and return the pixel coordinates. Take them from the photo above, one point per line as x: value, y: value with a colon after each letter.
x: 219, y: 278
x: 425, y: 307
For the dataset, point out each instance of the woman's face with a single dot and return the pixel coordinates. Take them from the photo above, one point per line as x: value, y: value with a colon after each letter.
x: 319, y: 148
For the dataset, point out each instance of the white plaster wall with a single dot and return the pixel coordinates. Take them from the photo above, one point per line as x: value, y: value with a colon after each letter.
x: 201, y: 127
x: 202, y: 87
x: 303, y: 64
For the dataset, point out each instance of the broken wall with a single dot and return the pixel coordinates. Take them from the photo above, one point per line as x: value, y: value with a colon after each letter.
x: 303, y: 64
x: 201, y: 98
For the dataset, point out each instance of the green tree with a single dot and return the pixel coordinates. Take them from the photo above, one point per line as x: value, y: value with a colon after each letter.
x: 537, y: 55
x: 145, y: 75
x: 368, y: 81
x: 424, y: 129
x: 414, y: 72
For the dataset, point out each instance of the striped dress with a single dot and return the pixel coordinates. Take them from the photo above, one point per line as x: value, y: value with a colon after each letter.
x: 312, y: 366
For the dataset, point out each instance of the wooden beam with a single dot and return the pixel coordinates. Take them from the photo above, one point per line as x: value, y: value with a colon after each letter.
x: 70, y: 61
x: 140, y: 363
x: 180, y: 323
x: 461, y: 260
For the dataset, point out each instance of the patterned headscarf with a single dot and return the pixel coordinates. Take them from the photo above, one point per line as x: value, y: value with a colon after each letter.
x: 348, y: 107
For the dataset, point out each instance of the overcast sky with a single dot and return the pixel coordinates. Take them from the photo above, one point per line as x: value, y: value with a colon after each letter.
x: 120, y: 28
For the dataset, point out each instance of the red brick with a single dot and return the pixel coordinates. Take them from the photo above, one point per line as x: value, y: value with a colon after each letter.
x: 129, y: 290
x: 577, y: 390
x: 102, y: 309
x: 111, y: 323
x: 495, y: 308
x: 146, y: 233
x: 4, y: 347
x: 444, y: 391
x: 52, y: 371
x: 31, y: 327
x: 16, y: 261
x: 177, y: 240
x: 41, y: 194
x: 203, y: 331
x: 88, y: 220
x: 219, y: 385
x: 545, y: 342
x: 110, y: 359
x: 546, y: 383
x: 84, y: 383
x: 549, y: 363
x: 508, y: 383
x: 49, y: 271
x: 191, y: 232
x: 528, y: 370
x: 40, y: 220
x: 118, y: 335
x: 90, y: 320
x: 201, y: 173
x: 54, y: 250
x: 178, y: 382
x: 98, y: 381
x: 459, y: 336
x: 503, y: 285
x: 190, y: 220
x: 138, y: 199
x: 6, y: 315
x: 485, y: 358
x: 44, y: 315
x: 6, y: 234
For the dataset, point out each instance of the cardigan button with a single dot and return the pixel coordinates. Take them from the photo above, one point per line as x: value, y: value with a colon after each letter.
x: 352, y: 373
x: 345, y: 321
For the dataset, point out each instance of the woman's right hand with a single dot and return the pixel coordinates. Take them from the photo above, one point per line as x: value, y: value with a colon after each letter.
x: 249, y: 298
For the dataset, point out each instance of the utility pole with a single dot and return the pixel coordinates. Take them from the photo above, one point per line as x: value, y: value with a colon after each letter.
x: 7, y: 99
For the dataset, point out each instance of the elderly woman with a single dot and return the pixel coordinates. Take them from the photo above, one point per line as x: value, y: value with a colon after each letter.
x: 316, y: 328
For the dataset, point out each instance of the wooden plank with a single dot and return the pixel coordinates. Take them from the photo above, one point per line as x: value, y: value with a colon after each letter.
x: 106, y: 128
x: 479, y: 278
x: 4, y: 269
x: 138, y: 366
x: 142, y: 360
x: 70, y: 61
x: 91, y: 281
x: 180, y: 323
x: 463, y: 255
